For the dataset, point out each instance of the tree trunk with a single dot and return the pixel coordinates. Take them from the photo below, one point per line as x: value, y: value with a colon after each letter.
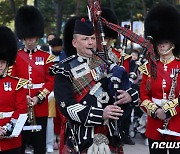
x: 25, y: 2
x: 112, y: 8
x: 78, y: 4
x: 36, y: 3
x: 13, y: 6
x: 144, y: 8
x: 111, y: 5
x: 59, y: 13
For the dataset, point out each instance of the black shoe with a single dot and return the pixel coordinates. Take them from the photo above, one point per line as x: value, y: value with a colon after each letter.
x: 128, y: 140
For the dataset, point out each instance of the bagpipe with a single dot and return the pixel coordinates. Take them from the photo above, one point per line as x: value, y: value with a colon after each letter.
x: 118, y: 72
x: 94, y: 12
x: 119, y: 79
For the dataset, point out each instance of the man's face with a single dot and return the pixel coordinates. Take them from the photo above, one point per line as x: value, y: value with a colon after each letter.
x: 83, y: 44
x: 163, y: 47
x: 30, y: 43
x: 3, y: 64
x: 134, y: 56
x: 56, y: 50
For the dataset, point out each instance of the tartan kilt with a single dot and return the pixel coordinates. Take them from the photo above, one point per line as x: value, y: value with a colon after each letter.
x: 116, y: 150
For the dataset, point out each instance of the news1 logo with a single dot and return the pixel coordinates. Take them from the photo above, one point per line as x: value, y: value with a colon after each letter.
x: 165, y: 145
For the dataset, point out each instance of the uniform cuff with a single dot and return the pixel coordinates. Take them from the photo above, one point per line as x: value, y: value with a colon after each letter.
x: 150, y: 107
x: 170, y: 108
x: 134, y: 95
x: 42, y: 95
x: 94, y: 117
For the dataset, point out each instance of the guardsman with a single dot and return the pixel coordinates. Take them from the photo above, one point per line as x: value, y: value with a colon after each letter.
x: 13, y: 95
x: 32, y: 64
x: 159, y: 88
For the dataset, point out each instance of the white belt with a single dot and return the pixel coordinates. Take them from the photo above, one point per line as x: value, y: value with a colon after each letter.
x: 159, y: 102
x: 6, y: 114
x: 33, y: 86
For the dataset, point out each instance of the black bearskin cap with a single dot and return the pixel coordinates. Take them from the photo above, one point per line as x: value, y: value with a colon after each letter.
x: 8, y: 45
x: 163, y: 23
x: 110, y: 16
x: 68, y: 36
x: 29, y: 22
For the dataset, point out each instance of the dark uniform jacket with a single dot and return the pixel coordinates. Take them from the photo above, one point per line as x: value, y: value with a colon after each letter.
x: 81, y: 91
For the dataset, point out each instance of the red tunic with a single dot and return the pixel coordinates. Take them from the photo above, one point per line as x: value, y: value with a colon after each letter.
x: 12, y: 100
x: 34, y: 67
x: 127, y: 59
x: 156, y: 91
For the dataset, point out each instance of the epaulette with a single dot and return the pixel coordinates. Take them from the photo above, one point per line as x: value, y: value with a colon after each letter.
x: 143, y: 69
x: 127, y: 56
x: 9, y: 70
x: 60, y: 68
x: 21, y: 82
x: 50, y: 59
x: 68, y: 59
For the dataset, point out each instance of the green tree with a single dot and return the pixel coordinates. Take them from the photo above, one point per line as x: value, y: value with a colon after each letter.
x: 56, y: 12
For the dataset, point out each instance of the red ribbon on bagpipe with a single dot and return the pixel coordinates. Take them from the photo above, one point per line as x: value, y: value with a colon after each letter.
x: 95, y: 15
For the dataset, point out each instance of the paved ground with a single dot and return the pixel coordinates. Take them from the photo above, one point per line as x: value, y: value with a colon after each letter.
x: 138, y: 148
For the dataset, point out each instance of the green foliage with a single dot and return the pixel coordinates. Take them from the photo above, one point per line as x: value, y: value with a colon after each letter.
x: 6, y: 14
x: 124, y: 9
x: 48, y: 11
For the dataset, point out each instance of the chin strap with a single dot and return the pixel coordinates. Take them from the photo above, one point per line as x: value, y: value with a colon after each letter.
x: 167, y: 50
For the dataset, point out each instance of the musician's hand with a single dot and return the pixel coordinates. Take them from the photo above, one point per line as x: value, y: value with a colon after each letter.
x: 112, y: 112
x: 161, y: 114
x: 32, y: 101
x: 2, y: 131
x: 35, y: 100
x: 28, y: 98
x: 123, y: 97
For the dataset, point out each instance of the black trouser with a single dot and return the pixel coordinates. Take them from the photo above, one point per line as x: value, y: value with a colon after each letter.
x: 36, y: 139
x: 126, y: 120
x: 12, y: 151
x: 156, y: 150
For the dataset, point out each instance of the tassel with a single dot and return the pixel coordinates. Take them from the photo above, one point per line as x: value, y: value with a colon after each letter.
x: 148, y: 84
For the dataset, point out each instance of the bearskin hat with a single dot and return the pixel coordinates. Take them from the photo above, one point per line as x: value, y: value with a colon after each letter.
x: 163, y: 23
x: 110, y: 16
x: 68, y: 36
x: 29, y: 22
x: 8, y: 45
